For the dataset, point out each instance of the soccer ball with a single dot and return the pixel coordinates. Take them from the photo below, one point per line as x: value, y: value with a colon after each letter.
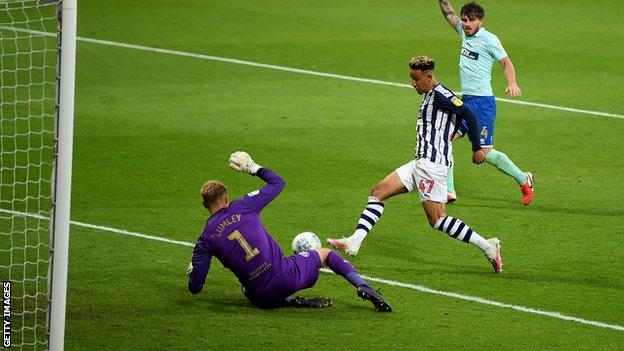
x: 306, y: 241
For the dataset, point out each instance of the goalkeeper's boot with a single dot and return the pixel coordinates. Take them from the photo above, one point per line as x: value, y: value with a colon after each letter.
x: 345, y: 245
x: 315, y: 302
x: 368, y: 293
x: 493, y: 255
x: 527, y: 189
x: 451, y: 197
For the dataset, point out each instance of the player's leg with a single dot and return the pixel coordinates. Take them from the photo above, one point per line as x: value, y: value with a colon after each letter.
x: 393, y: 184
x: 299, y: 271
x: 390, y: 186
x: 343, y: 268
x: 487, y: 115
x: 459, y: 230
x: 263, y: 300
x: 431, y: 178
x: 451, y: 195
x: 504, y: 164
x: 340, y: 266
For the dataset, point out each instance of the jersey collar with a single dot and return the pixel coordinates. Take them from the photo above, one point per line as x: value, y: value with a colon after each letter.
x: 477, y: 34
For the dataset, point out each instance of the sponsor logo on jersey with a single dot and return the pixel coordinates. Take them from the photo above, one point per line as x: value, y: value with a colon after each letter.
x: 304, y: 254
x: 469, y: 54
x: 254, y: 193
x: 456, y: 101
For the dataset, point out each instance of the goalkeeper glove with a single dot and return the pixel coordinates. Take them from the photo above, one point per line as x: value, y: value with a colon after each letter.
x: 242, y: 162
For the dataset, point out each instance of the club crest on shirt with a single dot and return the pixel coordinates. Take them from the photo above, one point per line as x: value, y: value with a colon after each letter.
x: 469, y: 54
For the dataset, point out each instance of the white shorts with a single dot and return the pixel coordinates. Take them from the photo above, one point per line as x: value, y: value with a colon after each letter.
x: 426, y: 177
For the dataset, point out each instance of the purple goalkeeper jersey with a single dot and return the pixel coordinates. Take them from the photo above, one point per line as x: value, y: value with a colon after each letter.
x: 236, y: 237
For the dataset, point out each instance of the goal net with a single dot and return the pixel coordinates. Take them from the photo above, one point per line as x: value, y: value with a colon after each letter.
x: 30, y: 144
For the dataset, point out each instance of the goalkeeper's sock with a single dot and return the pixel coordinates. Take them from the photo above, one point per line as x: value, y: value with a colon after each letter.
x: 342, y: 267
x: 369, y: 217
x: 457, y: 229
x: 450, y: 180
x: 505, y: 165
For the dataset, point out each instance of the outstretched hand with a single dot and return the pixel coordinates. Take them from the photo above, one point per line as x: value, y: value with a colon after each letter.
x: 241, y: 161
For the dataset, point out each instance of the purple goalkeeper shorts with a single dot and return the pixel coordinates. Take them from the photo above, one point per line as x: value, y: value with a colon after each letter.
x: 299, y: 271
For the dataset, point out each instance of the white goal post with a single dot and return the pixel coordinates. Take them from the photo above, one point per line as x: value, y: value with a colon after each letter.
x: 37, y: 76
x: 62, y: 189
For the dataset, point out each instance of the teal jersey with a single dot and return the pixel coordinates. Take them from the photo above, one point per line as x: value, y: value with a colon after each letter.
x: 476, y: 58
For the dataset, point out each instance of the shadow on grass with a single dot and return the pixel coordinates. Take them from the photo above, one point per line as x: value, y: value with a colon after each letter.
x: 421, y: 266
x: 234, y: 304
x: 509, y: 204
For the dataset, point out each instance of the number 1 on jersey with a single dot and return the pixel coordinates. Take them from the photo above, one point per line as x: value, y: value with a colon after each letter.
x: 236, y: 235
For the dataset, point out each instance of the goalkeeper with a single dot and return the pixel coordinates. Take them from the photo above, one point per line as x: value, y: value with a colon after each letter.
x: 235, y: 235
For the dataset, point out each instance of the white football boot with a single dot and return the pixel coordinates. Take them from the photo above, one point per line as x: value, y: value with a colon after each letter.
x: 345, y: 245
x: 493, y: 255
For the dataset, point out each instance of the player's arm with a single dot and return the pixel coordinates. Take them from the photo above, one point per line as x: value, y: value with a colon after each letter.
x: 495, y: 47
x: 256, y: 201
x: 199, y: 267
x: 456, y: 106
x: 464, y: 113
x: 449, y: 13
x: 510, y: 73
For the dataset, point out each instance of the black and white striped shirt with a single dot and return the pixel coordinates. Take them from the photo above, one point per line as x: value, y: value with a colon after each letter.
x: 439, y: 117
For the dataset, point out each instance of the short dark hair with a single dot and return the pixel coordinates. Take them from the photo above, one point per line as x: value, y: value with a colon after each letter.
x: 423, y: 63
x: 472, y: 9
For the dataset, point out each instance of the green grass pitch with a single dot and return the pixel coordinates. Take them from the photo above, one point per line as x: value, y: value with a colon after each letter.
x: 150, y: 128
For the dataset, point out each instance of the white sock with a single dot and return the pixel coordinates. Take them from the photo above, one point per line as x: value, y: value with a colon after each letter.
x: 369, y: 217
x: 459, y: 230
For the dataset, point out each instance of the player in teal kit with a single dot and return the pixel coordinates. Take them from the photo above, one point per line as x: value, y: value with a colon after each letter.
x: 479, y: 50
x: 235, y: 235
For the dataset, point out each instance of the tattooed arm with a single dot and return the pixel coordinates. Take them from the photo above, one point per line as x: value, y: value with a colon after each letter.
x: 449, y: 13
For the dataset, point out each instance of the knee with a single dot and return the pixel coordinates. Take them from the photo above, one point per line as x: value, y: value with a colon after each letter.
x: 378, y: 192
x: 323, y: 253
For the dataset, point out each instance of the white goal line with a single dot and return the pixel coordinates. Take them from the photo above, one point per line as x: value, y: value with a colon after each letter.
x: 301, y: 71
x: 420, y: 288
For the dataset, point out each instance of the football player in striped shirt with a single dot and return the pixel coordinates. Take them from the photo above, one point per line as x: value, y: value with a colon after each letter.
x: 440, y: 114
x: 479, y: 50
